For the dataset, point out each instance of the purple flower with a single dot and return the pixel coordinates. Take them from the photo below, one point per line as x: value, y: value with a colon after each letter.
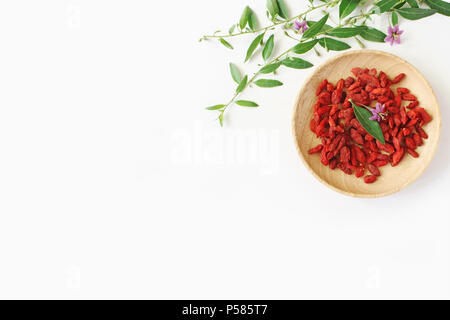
x: 393, y: 35
x: 378, y: 112
x: 300, y: 26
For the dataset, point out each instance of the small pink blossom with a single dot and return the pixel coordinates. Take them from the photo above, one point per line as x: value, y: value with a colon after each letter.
x: 393, y: 35
x: 378, y: 112
x: 300, y: 26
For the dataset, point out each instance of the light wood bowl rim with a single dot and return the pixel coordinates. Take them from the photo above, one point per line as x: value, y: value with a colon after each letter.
x: 297, y: 108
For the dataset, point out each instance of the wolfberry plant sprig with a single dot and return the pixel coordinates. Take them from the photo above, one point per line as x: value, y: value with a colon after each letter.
x: 308, y: 33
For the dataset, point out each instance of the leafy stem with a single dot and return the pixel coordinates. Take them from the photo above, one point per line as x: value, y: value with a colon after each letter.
x: 275, y: 24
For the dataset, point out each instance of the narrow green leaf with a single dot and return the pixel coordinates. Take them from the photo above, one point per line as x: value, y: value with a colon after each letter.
x: 372, y: 127
x: 244, y: 17
x: 216, y: 107
x: 316, y: 27
x: 282, y: 9
x: 332, y: 44
x: 268, y: 48
x: 443, y: 7
x: 253, y: 21
x: 246, y: 103
x: 270, y: 68
x: 221, y: 119
x: 231, y: 30
x: 304, y: 47
x: 235, y: 74
x: 345, y: 32
x: 325, y: 27
x: 226, y: 44
x: 415, y: 13
x: 372, y: 34
x: 394, y: 18
x: 253, y: 46
x: 268, y: 83
x: 385, y: 5
x: 296, y: 63
x: 242, y: 84
x: 346, y: 7
x: 413, y: 3
x: 399, y: 4
x: 272, y: 6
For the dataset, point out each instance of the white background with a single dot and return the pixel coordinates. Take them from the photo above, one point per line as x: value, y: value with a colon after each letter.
x: 116, y: 183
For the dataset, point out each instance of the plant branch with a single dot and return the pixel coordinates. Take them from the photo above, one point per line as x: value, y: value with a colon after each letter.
x: 272, y: 25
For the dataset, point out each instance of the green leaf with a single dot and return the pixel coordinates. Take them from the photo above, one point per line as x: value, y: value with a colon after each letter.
x: 235, y: 74
x: 231, y: 30
x: 304, y: 47
x: 216, y: 107
x: 346, y: 7
x: 394, y: 18
x: 440, y: 6
x: 253, y: 46
x: 315, y: 28
x: 246, y: 103
x: 325, y: 27
x: 372, y: 127
x: 253, y: 21
x: 268, y: 83
x: 221, y: 119
x: 400, y: 4
x: 272, y: 6
x: 242, y: 84
x: 372, y: 34
x: 270, y: 68
x: 385, y: 5
x: 296, y: 63
x: 244, y: 17
x: 413, y: 3
x: 268, y: 48
x: 345, y: 32
x: 332, y: 44
x: 226, y: 44
x: 282, y: 9
x: 415, y: 13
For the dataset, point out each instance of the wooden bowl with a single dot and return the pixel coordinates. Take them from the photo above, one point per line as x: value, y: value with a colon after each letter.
x: 392, y: 179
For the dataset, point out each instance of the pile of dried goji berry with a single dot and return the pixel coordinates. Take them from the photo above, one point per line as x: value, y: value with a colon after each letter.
x: 346, y: 144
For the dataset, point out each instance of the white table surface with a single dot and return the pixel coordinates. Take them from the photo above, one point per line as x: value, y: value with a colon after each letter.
x: 116, y: 183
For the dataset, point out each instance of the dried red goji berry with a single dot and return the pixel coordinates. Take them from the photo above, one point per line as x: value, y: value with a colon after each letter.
x: 402, y: 90
x: 417, y: 139
x: 360, y: 171
x: 413, y: 104
x: 409, y: 97
x: 425, y: 116
x: 370, y: 179
x: 325, y: 98
x: 422, y: 133
x: 397, y: 157
x: 412, y: 152
x: 322, y: 85
x: 398, y: 78
x: 373, y: 170
x: 348, y: 82
x: 360, y: 155
x: 410, y: 143
x: 316, y: 149
x: 372, y: 157
x: 380, y: 163
x: 345, y: 154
